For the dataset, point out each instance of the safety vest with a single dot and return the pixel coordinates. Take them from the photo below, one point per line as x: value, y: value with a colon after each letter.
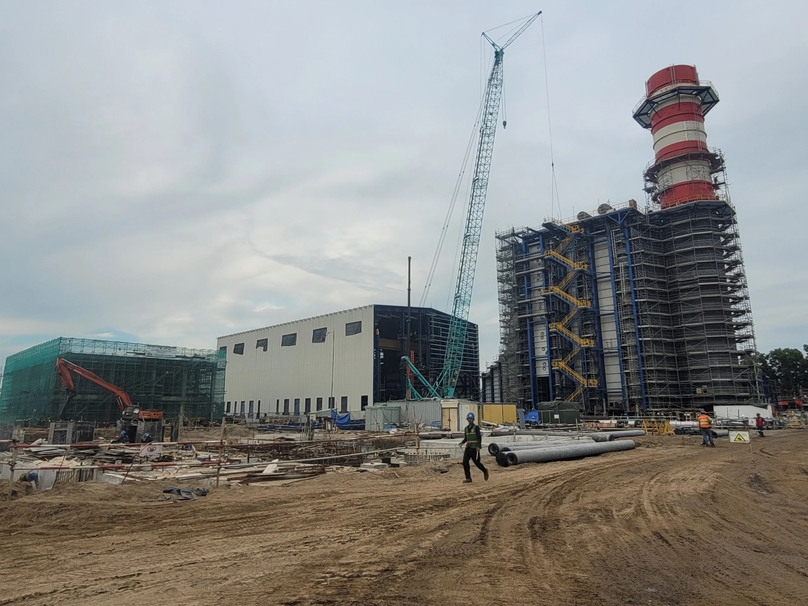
x: 705, y: 422
x: 470, y: 434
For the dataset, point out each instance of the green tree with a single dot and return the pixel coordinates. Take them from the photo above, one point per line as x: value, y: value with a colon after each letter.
x: 787, y: 367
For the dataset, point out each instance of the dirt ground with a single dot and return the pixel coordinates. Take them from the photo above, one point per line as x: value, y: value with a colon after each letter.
x: 668, y: 523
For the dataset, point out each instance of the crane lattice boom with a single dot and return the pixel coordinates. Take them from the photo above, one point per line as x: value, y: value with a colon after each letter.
x: 458, y: 326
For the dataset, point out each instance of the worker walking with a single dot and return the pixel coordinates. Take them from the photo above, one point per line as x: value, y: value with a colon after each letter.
x: 760, y: 424
x: 472, y: 438
x: 706, y: 425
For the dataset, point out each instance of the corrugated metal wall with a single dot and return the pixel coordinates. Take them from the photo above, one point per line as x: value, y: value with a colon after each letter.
x: 303, y: 371
x: 379, y: 417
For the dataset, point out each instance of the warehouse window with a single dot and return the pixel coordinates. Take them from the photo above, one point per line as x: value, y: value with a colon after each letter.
x: 297, y: 406
x: 262, y: 344
x: 242, y: 407
x: 319, y: 403
x: 223, y: 349
x: 286, y: 406
x: 289, y: 340
x: 238, y: 348
x: 364, y: 402
x: 353, y: 328
x: 344, y: 404
x: 258, y: 412
x: 307, y: 407
x: 331, y: 402
x: 318, y: 335
x: 227, y: 408
x: 277, y: 407
x: 251, y: 409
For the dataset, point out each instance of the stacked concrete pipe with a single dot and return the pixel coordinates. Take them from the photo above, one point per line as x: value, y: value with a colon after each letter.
x: 560, y: 452
x: 496, y: 447
x: 625, y: 433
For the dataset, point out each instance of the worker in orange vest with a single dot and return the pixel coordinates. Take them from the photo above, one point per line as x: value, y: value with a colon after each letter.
x: 706, y: 426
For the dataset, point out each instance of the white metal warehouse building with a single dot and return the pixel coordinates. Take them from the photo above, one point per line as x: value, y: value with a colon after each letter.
x: 344, y: 360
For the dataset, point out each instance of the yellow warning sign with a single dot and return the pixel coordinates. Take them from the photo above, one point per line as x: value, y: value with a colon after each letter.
x: 740, y: 437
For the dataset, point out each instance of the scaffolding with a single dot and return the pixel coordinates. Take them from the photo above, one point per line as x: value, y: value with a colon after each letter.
x: 571, y: 312
x: 626, y: 311
x: 156, y: 377
x: 547, y: 316
x: 428, y: 335
x: 713, y: 319
x: 510, y: 382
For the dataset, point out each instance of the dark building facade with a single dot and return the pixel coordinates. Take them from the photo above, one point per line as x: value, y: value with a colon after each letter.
x: 428, y: 333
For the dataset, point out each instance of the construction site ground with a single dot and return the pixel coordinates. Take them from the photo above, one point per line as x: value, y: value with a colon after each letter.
x: 670, y: 522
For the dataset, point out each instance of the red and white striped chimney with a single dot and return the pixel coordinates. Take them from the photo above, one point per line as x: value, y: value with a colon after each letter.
x: 673, y: 109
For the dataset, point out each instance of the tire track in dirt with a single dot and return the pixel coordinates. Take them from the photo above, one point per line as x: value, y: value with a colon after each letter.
x: 672, y: 524
x: 440, y: 548
x: 503, y: 539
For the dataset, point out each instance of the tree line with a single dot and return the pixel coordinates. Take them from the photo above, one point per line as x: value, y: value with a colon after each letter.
x: 786, y: 370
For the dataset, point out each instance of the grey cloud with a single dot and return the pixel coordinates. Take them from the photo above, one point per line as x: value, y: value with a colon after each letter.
x: 181, y: 170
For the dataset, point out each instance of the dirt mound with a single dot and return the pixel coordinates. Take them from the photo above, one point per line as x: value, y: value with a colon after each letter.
x: 18, y: 490
x: 667, y: 523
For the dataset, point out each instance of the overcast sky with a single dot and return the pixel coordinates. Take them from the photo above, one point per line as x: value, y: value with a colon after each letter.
x: 171, y: 172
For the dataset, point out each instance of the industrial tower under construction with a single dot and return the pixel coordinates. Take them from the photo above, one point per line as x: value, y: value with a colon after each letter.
x: 628, y: 309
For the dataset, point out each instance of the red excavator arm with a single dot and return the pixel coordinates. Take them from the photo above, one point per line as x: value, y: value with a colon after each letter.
x: 64, y: 368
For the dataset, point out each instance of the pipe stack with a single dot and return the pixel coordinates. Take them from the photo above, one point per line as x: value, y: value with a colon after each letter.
x: 552, y: 451
x: 495, y: 448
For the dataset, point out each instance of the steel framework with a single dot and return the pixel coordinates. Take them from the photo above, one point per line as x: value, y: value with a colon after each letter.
x: 642, y: 310
x: 156, y: 377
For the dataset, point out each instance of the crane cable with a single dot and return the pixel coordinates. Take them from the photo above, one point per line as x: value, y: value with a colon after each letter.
x: 458, y: 184
x: 553, y: 181
x: 461, y: 232
x: 469, y: 147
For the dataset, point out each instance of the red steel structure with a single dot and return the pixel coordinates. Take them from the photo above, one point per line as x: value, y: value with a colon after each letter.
x: 673, y: 109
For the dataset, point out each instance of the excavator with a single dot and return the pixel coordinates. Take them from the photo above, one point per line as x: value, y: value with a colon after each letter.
x: 134, y: 420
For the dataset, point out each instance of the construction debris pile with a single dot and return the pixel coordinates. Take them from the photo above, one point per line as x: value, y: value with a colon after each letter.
x: 210, y: 462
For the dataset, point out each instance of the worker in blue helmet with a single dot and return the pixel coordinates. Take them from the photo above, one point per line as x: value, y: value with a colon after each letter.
x: 473, y: 439
x: 29, y: 476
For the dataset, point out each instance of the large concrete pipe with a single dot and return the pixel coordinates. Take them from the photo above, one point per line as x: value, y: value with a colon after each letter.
x: 497, y: 447
x: 504, y: 449
x: 502, y: 455
x: 560, y: 453
x: 532, y: 432
x: 439, y: 435
x: 625, y: 433
x: 600, y: 437
x: 559, y: 433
